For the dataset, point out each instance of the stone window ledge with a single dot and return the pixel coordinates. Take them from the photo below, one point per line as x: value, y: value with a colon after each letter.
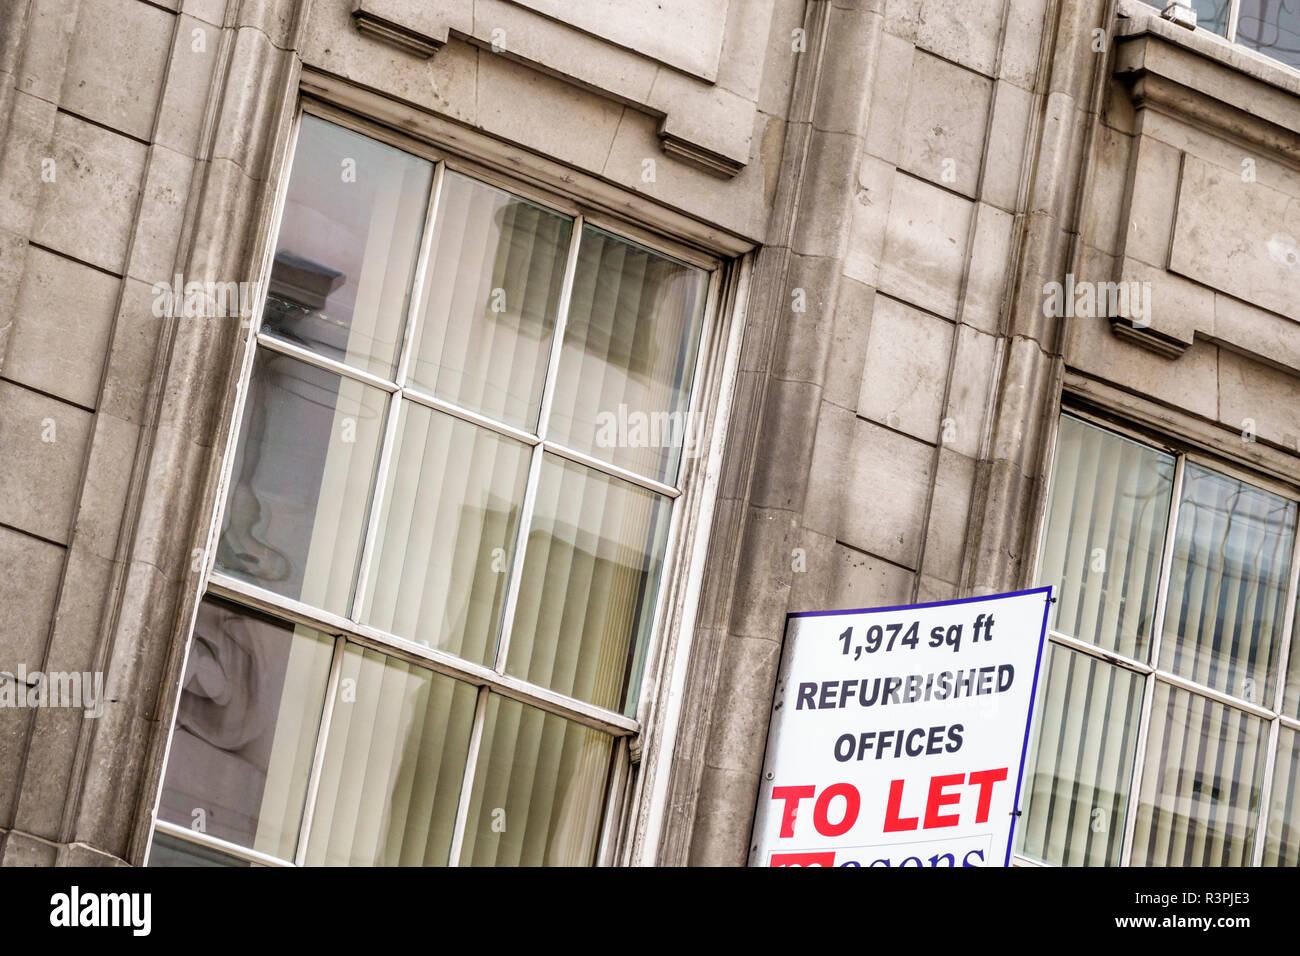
x: 1201, y: 75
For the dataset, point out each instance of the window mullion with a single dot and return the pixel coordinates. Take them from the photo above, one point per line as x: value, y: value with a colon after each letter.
x: 607, y: 468
x: 1288, y: 626
x: 1265, y: 793
x: 1149, y: 689
x: 615, y: 802
x: 1234, y: 15
x: 1101, y: 654
x: 389, y: 442
x: 1279, y: 700
x: 437, y: 404
x: 221, y: 846
x: 517, y: 563
x: 318, y: 756
x: 273, y: 343
x: 467, y: 781
x: 561, y: 323
x: 535, y: 465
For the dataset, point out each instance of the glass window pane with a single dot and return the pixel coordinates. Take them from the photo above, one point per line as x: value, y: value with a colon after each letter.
x: 628, y: 361
x: 1272, y: 27
x: 303, y: 474
x: 246, y: 729
x: 447, y: 533
x: 1081, y: 762
x: 1200, y: 785
x: 1282, y: 838
x: 539, y: 790
x: 590, y: 577
x: 398, y: 741
x: 345, y: 256
x: 492, y: 292
x: 1107, y: 512
x: 1227, y: 588
x: 1211, y: 15
x: 168, y: 850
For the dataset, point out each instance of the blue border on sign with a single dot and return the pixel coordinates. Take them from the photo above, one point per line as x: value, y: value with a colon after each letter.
x: 1033, y: 691
x: 1033, y: 695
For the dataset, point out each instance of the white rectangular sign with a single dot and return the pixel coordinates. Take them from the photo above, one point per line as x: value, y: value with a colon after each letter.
x: 898, y: 735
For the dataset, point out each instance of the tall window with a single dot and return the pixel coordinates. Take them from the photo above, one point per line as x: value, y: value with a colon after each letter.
x: 1169, y: 728
x: 445, y: 527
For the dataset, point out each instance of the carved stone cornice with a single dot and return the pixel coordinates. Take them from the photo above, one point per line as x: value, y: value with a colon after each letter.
x: 1203, y: 80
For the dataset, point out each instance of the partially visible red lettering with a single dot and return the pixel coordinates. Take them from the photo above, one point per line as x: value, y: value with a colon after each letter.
x: 985, y: 779
x: 826, y: 858
x: 792, y: 796
x: 852, y: 804
x: 894, y: 823
x: 939, y: 799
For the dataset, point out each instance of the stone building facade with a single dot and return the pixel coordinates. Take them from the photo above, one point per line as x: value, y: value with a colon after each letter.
x: 938, y: 248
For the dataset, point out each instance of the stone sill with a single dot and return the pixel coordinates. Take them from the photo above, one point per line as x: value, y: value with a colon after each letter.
x: 1137, y: 19
x: 1209, y: 81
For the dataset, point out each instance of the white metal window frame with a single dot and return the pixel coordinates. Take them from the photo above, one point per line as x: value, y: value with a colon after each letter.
x: 691, y: 496
x: 1152, y: 673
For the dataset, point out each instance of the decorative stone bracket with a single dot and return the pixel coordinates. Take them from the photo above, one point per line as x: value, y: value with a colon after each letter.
x: 701, y: 122
x: 1219, y: 247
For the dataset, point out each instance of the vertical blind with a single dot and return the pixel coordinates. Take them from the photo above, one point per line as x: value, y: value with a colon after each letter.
x: 398, y: 739
x: 1082, y: 761
x: 1227, y: 591
x: 1105, y: 528
x: 447, y: 534
x: 1200, y: 779
x: 495, y: 273
x: 1200, y: 785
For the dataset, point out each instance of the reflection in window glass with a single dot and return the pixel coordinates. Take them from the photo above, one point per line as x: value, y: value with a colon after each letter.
x: 623, y: 390
x: 1227, y: 587
x: 1107, y: 511
x: 300, y: 488
x: 246, y: 730
x: 1272, y: 27
x: 1211, y: 15
x: 494, y: 279
x: 538, y: 790
x: 398, y: 741
x: 1199, y: 798
x: 447, y: 534
x: 590, y: 577
x: 347, y: 246
x: 1082, y: 761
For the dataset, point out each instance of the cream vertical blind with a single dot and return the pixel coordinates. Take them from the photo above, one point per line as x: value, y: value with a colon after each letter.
x: 1106, y: 517
x: 447, y: 534
x: 1200, y: 787
x: 1081, y: 762
x: 398, y: 741
x: 1198, y: 792
x: 495, y: 274
x: 1227, y: 591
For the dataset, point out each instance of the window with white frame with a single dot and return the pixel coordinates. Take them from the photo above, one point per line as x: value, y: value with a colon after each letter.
x: 1169, y: 724
x: 445, y: 527
x: 1270, y: 26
